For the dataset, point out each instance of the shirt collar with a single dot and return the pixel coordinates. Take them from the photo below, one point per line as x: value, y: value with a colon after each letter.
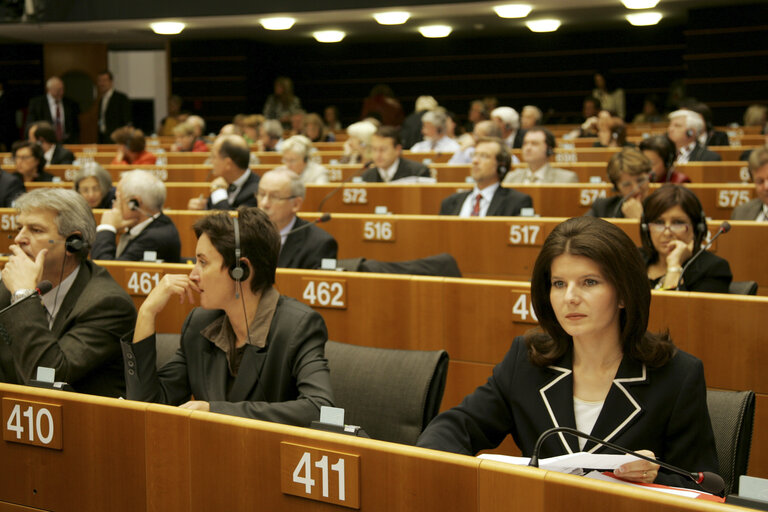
x: 487, y: 192
x: 389, y: 173
x: 287, y: 229
x: 55, y: 297
x: 141, y: 226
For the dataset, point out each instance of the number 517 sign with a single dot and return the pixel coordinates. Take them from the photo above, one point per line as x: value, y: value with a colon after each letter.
x: 322, y: 475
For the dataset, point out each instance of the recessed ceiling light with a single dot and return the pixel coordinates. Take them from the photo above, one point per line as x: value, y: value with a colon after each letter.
x: 277, y: 23
x: 547, y: 25
x: 643, y: 19
x: 640, y: 4
x: 513, y: 10
x: 433, y: 31
x: 328, y: 36
x: 392, y: 18
x: 167, y: 27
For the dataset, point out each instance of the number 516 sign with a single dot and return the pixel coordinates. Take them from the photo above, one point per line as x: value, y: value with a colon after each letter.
x: 321, y: 475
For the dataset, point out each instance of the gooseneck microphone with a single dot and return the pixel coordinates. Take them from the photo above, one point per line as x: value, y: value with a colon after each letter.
x: 724, y: 228
x: 710, y: 482
x: 323, y: 218
x: 42, y: 288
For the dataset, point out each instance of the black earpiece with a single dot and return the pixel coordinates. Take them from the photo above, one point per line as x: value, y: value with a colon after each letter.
x: 238, y: 272
x: 689, y: 133
x: 74, y: 244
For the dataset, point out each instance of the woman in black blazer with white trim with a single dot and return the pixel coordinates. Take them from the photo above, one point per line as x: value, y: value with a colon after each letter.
x: 591, y: 366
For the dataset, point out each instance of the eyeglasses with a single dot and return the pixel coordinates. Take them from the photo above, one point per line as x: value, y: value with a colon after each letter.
x: 639, y: 182
x: 676, y: 228
x: 23, y: 157
x: 261, y: 196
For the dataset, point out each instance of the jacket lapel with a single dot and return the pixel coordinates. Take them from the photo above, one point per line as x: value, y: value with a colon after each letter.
x: 495, y: 205
x: 68, y: 302
x: 214, y: 373
x: 248, y: 375
x: 293, y: 243
x: 557, y: 394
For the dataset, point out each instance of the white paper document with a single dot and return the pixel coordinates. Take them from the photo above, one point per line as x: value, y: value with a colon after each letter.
x: 569, y: 463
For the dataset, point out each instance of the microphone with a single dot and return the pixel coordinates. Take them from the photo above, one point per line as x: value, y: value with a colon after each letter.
x: 323, y: 218
x: 710, y: 482
x: 42, y: 288
x: 336, y: 190
x: 724, y: 228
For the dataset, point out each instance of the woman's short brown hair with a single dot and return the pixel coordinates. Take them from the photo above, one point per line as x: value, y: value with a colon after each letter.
x: 628, y: 160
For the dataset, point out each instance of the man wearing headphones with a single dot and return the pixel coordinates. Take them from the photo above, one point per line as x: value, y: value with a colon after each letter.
x: 538, y: 146
x: 146, y: 233
x: 296, y: 151
x: 75, y: 329
x: 488, y: 198
x: 433, y: 127
x: 684, y: 129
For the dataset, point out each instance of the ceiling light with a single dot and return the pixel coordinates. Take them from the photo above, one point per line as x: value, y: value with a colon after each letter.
x: 278, y: 23
x: 329, y: 36
x: 640, y: 4
x: 392, y: 18
x: 643, y: 19
x: 435, y: 30
x: 513, y: 10
x: 548, y: 25
x: 167, y: 27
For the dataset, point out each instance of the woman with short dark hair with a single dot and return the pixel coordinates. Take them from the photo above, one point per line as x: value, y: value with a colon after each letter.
x: 592, y: 366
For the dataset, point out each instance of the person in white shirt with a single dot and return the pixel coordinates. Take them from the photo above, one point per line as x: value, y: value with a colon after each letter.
x: 114, y: 107
x: 538, y: 147
x: 296, y: 151
x: 684, y: 129
x: 433, y: 128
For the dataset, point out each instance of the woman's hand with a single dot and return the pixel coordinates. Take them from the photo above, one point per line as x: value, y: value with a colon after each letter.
x: 632, y: 208
x: 196, y: 405
x: 680, y: 253
x: 170, y: 285
x: 639, y: 470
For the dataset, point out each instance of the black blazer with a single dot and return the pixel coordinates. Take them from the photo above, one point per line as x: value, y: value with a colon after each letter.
x: 246, y: 197
x: 506, y: 202
x: 11, y: 187
x: 118, y: 114
x: 39, y: 110
x: 307, y: 248
x: 607, y: 207
x: 61, y: 155
x: 659, y: 409
x: 702, y: 154
x: 405, y: 168
x: 717, y: 138
x: 160, y: 236
x: 708, y: 273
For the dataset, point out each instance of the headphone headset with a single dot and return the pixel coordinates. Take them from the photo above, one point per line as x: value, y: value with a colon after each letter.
x: 133, y: 204
x: 689, y: 133
x: 238, y: 272
x: 74, y: 244
x: 549, y: 140
x: 503, y: 161
x: 699, y: 229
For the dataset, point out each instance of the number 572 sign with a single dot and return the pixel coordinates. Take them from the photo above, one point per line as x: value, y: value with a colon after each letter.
x: 322, y: 475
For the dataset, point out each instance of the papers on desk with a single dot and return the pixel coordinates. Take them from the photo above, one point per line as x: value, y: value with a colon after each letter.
x: 569, y: 463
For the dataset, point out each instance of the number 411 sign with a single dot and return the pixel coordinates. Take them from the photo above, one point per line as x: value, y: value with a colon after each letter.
x: 322, y: 475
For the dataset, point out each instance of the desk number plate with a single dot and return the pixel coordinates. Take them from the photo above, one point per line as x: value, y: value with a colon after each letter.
x: 321, y: 475
x: 32, y: 423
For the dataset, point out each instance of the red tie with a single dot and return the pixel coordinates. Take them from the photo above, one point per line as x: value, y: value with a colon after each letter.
x: 476, y: 208
x: 59, y: 131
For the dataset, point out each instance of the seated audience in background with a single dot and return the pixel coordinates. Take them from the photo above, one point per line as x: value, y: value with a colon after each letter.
x: 282, y: 103
x: 198, y: 123
x: 433, y: 128
x: 538, y: 147
x: 488, y: 198
x: 297, y: 122
x: 131, y: 147
x: 410, y: 131
x: 173, y: 118
x: 247, y: 351
x: 11, y: 187
x: 296, y: 151
x: 709, y: 136
x: 381, y: 102
x: 332, y: 118
x: 30, y: 161
x: 137, y: 218
x: 77, y: 326
x: 314, y: 129
x: 234, y: 184
x: 756, y: 115
x: 591, y: 296
x: 43, y: 133
x: 477, y: 112
x: 672, y: 230
x: 611, y: 132
x: 250, y: 127
x: 590, y: 108
x: 509, y: 123
x: 650, y: 113
x: 280, y: 195
x: 611, y: 98
x: 482, y: 129
x: 530, y: 116
x: 270, y: 135
x: 630, y: 173
x: 357, y: 147
x: 757, y: 208
x: 685, y: 126
x: 186, y: 140
x: 388, y: 163
x: 661, y: 152
x: 94, y: 183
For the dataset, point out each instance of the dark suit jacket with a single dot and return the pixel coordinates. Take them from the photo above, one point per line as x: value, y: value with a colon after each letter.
x: 708, y: 273
x: 747, y: 211
x: 246, y: 197
x: 506, y: 202
x: 702, y: 154
x: 307, y: 248
x: 607, y: 207
x: 83, y: 346
x: 717, y: 138
x: 39, y: 110
x: 11, y: 187
x: 118, y: 114
x: 404, y: 168
x: 659, y: 409
x: 286, y: 381
x: 160, y: 236
x: 61, y: 155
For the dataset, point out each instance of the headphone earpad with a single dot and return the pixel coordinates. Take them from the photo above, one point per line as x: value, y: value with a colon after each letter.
x: 75, y: 244
x: 239, y: 272
x: 133, y: 204
x: 689, y: 133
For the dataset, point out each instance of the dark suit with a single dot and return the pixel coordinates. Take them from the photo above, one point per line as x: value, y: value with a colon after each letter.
x: 11, y: 187
x: 160, y: 236
x: 717, y: 138
x: 747, y: 211
x: 702, y: 154
x: 659, y: 409
x: 246, y: 196
x: 83, y: 346
x: 607, y: 207
x: 39, y: 110
x: 405, y: 168
x: 61, y: 155
x: 708, y: 273
x: 506, y: 202
x: 306, y: 248
x: 118, y: 114
x: 286, y: 381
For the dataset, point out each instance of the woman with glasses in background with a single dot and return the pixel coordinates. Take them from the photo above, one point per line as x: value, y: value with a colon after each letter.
x: 672, y: 230
x: 630, y: 173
